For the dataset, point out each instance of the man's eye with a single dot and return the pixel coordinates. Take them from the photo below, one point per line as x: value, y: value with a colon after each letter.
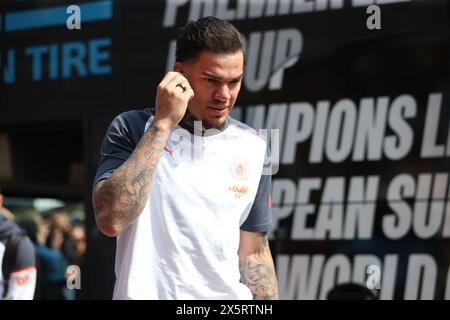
x: 211, y: 80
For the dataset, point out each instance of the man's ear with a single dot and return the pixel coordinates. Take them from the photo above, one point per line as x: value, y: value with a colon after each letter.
x: 1, y: 200
x: 178, y: 67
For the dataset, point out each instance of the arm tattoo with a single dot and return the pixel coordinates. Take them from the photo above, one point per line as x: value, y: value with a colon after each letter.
x: 123, y: 196
x: 258, y: 273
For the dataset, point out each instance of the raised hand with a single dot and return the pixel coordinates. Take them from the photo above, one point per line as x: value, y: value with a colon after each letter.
x: 172, y: 98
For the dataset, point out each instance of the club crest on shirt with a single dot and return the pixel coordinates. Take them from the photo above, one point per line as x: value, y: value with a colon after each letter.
x: 240, y: 168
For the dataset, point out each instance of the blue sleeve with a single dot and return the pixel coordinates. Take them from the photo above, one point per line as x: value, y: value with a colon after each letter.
x: 120, y: 140
x: 260, y: 216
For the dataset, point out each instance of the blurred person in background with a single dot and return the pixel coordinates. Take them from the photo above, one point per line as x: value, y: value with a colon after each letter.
x: 352, y: 291
x: 74, y: 248
x: 59, y: 226
x: 75, y: 244
x: 53, y: 258
x: 51, y: 262
x: 17, y: 260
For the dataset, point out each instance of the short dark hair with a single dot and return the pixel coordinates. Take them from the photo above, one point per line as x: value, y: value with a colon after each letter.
x: 208, y: 33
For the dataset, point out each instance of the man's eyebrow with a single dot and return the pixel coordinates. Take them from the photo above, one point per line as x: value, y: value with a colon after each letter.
x: 210, y: 75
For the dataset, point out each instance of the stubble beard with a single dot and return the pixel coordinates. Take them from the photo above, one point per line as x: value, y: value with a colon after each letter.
x: 188, y: 120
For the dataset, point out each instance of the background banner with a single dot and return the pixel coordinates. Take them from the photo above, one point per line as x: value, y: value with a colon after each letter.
x: 362, y: 191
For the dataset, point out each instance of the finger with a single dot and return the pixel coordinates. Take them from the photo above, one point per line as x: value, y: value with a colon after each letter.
x: 169, y: 77
x: 187, y: 92
x: 191, y: 93
x: 182, y: 84
x: 178, y: 78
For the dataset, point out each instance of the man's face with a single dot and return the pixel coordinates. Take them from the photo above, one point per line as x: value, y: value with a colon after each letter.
x: 1, y: 200
x: 216, y: 81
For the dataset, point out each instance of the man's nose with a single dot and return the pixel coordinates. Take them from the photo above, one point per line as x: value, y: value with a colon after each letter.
x: 222, y: 93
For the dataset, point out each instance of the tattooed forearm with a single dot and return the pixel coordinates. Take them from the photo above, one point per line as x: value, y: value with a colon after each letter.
x: 258, y: 273
x: 120, y: 199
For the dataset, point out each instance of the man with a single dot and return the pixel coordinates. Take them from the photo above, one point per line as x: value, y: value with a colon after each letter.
x: 18, y: 261
x: 191, y: 209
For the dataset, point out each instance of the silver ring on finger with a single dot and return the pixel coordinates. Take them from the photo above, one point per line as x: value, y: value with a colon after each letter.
x: 182, y: 86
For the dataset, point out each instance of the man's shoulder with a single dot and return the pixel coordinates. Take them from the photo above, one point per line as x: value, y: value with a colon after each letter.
x: 235, y: 122
x: 135, y: 116
x: 245, y: 130
x: 130, y: 123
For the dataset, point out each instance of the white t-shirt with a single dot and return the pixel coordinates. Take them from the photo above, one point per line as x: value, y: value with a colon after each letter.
x: 184, y: 244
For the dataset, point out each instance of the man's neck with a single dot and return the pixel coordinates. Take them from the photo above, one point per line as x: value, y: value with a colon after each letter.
x: 188, y: 122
